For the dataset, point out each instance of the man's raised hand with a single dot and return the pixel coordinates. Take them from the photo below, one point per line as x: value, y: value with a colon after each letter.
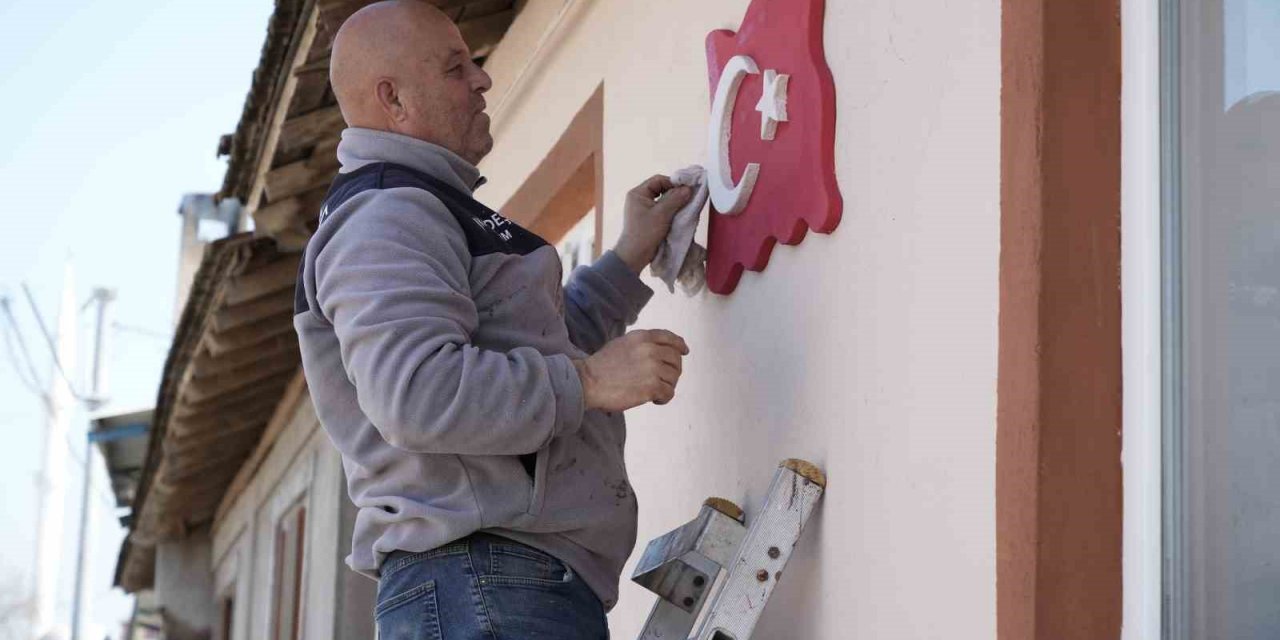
x: 646, y: 219
x: 641, y: 366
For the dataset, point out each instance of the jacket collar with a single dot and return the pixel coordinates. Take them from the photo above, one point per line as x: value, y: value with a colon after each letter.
x: 360, y: 147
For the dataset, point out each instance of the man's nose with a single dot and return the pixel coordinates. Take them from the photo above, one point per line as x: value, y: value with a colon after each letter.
x: 482, y: 81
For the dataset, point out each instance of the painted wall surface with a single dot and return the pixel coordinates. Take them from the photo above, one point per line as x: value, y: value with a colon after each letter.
x: 871, y: 352
x: 302, y: 466
x: 183, y: 587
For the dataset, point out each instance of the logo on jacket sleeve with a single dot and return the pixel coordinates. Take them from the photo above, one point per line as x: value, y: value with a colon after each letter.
x: 771, y: 140
x: 496, y: 225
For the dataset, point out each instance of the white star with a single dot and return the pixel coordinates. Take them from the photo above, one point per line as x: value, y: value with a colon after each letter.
x: 773, y: 103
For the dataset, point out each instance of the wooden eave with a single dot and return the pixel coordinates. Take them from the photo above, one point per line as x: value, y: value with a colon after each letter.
x: 282, y: 156
x: 233, y: 355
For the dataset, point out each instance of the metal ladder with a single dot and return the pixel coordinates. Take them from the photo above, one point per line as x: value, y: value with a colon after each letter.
x: 714, y: 575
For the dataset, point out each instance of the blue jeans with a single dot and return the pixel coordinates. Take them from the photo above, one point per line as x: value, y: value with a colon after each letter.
x: 485, y: 587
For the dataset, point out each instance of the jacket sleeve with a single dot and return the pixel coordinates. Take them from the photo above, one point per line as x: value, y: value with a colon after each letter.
x: 392, y: 279
x: 601, y: 301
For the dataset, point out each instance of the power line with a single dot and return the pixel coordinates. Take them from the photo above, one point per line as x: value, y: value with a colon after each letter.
x: 13, y: 332
x: 17, y: 370
x: 84, y: 465
x: 106, y: 499
x: 31, y: 385
x: 142, y: 331
x: 22, y: 342
x: 48, y: 338
x: 82, y: 462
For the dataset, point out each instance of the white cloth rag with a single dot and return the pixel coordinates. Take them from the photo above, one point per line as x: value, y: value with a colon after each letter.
x: 679, y: 258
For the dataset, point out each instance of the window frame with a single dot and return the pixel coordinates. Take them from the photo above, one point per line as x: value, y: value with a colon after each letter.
x: 1157, y: 589
x: 297, y: 513
x: 226, y: 616
x: 1144, y: 261
x: 567, y: 186
x: 232, y: 582
x: 1173, y: 582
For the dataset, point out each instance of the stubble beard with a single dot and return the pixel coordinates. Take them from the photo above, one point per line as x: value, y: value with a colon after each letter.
x: 482, y: 138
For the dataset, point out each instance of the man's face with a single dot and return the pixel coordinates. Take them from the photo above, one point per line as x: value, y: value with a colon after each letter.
x: 443, y: 94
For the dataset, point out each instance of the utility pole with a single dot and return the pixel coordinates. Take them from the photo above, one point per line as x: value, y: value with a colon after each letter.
x: 97, y: 398
x: 98, y: 391
x: 52, y: 484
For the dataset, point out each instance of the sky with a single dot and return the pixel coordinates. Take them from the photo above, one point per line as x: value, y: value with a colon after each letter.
x: 111, y: 112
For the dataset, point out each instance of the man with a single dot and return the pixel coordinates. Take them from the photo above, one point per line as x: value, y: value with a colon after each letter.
x: 476, y: 404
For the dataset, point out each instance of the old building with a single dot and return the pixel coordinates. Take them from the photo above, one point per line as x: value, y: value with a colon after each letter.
x: 942, y: 334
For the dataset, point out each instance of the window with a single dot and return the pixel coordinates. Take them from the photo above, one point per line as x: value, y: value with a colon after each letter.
x: 561, y: 198
x: 1221, y: 197
x: 226, y: 617
x: 289, y: 548
x: 578, y: 247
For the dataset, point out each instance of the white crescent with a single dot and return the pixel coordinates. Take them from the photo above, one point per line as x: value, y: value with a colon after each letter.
x: 728, y: 198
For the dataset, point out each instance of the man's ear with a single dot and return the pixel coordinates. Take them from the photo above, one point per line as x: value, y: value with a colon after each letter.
x: 389, y: 99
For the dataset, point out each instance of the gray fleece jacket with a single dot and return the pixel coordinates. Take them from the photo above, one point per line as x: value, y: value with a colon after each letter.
x: 444, y: 377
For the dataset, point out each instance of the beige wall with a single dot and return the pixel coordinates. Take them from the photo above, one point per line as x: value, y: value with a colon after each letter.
x: 301, y: 466
x: 183, y: 589
x: 871, y: 351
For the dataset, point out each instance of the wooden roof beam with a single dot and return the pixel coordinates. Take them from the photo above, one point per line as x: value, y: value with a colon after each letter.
x: 216, y: 468
x: 265, y: 280
x: 283, y: 214
x: 182, y: 431
x: 195, y: 445
x: 242, y: 403
x: 312, y: 90
x: 198, y: 390
x: 139, y: 567
x: 312, y: 128
x: 445, y: 5
x: 244, y: 395
x: 282, y: 346
x: 157, y: 522
x: 334, y: 12
x: 231, y: 317
x: 193, y: 454
x: 297, y: 178
x: 291, y: 221
x: 280, y: 111
x: 250, y: 334
x: 201, y: 500
x: 294, y: 395
x: 481, y: 8
x: 483, y: 34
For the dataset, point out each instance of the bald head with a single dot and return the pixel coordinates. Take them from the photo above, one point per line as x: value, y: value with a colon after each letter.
x: 402, y: 66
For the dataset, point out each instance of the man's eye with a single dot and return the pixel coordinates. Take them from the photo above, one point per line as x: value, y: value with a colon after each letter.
x: 455, y: 70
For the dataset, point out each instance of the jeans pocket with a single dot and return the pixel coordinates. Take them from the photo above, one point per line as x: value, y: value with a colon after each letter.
x: 517, y: 564
x: 409, y: 615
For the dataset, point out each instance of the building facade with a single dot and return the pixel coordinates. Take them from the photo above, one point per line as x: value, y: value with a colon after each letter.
x: 1005, y: 350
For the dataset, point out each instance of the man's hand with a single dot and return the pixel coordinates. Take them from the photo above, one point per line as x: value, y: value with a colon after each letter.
x: 647, y: 219
x: 640, y: 367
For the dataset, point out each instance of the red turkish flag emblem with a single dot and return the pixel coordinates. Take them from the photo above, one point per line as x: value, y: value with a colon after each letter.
x: 771, y: 155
